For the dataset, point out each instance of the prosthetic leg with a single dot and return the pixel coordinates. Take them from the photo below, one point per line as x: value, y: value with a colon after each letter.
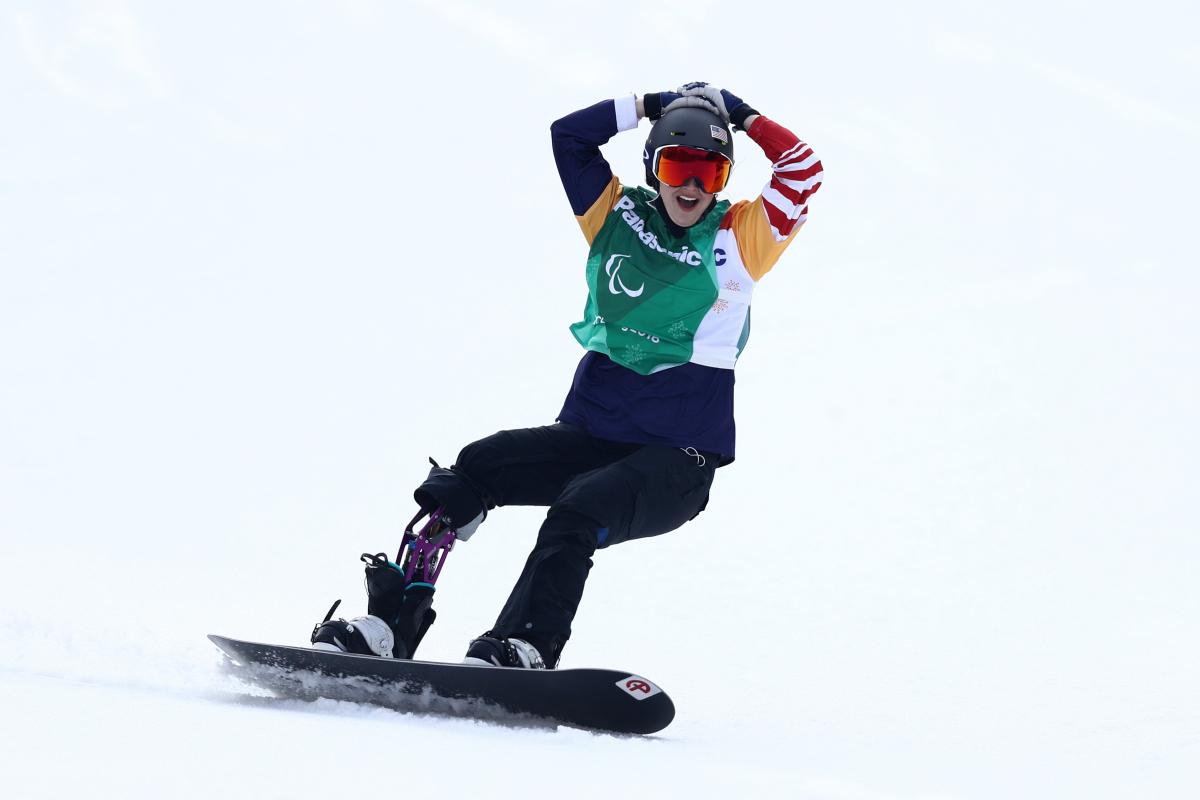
x: 399, y: 595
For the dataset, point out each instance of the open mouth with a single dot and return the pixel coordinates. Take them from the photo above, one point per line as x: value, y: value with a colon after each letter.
x: 687, y: 203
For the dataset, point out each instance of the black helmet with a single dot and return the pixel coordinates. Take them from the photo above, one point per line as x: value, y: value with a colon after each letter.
x: 694, y: 127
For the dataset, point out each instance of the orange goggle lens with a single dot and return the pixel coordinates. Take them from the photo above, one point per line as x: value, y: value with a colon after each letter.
x: 675, y: 165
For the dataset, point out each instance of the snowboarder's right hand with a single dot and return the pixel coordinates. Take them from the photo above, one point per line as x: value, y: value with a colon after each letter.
x: 656, y: 103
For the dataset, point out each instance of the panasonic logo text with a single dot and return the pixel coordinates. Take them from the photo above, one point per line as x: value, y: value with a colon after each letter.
x: 685, y: 256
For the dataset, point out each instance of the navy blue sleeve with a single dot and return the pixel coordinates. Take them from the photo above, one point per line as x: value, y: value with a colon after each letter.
x: 576, y: 139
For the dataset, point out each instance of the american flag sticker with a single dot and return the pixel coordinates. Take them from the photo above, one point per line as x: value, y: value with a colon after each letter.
x: 719, y: 134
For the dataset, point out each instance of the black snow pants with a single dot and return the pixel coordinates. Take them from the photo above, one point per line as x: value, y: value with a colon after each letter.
x: 600, y: 493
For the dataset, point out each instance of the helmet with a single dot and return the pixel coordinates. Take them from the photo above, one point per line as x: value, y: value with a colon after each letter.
x: 694, y: 127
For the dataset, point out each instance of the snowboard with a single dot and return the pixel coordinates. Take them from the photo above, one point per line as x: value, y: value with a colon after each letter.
x: 595, y: 699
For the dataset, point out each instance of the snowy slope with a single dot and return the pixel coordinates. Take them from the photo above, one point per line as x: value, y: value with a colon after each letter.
x: 257, y: 263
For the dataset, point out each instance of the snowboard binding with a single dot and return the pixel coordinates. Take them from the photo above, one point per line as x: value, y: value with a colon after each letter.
x: 399, y: 593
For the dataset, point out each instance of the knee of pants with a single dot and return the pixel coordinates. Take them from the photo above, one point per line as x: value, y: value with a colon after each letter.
x: 570, y: 529
x: 479, y: 458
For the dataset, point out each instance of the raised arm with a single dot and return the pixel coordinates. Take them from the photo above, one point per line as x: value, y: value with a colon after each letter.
x: 591, y: 187
x: 765, y: 227
x: 796, y: 174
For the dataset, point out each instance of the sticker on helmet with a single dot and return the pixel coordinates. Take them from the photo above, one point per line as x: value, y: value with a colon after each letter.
x: 637, y: 687
x: 719, y: 134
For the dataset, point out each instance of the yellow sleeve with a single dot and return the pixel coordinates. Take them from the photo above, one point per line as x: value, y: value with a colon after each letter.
x: 756, y: 240
x: 592, y: 220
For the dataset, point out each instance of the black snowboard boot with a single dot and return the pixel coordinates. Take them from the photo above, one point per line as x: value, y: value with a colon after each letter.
x: 405, y: 608
x: 398, y: 615
x: 496, y: 651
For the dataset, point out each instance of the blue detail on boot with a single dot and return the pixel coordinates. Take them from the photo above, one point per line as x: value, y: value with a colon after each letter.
x: 601, y: 537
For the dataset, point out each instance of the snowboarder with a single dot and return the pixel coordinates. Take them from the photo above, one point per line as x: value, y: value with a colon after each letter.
x: 671, y: 272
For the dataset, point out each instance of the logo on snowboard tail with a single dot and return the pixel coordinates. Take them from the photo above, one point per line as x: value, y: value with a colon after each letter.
x: 638, y: 687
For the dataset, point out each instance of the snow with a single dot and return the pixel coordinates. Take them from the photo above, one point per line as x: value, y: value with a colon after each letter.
x: 258, y: 261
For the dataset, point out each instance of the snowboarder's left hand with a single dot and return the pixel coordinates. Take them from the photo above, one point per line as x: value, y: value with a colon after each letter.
x: 733, y: 108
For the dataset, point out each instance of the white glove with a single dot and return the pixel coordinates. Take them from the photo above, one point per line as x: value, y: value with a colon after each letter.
x: 710, y: 94
x: 695, y: 102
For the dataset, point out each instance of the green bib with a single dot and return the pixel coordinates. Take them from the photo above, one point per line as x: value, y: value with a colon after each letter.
x: 647, y: 290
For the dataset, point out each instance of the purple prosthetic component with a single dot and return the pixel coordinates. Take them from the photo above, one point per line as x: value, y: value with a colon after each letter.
x: 423, y: 554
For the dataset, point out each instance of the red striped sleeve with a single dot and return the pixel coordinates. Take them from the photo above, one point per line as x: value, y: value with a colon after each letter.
x: 796, y: 174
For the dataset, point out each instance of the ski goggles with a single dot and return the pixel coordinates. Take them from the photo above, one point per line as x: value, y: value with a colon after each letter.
x: 676, y: 164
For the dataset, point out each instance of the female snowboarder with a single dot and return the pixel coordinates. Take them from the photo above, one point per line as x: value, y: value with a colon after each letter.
x: 671, y: 272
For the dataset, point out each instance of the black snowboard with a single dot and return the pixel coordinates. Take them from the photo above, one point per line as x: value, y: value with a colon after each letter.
x: 598, y: 699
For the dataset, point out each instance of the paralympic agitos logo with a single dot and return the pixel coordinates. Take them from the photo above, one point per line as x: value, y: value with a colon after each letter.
x: 613, y: 270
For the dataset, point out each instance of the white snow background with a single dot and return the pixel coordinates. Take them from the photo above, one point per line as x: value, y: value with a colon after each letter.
x: 259, y: 260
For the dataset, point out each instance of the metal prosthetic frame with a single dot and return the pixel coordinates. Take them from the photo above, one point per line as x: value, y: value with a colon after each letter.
x: 400, y: 592
x: 422, y: 555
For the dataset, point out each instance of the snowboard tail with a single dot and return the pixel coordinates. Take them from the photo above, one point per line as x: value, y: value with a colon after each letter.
x: 596, y: 699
